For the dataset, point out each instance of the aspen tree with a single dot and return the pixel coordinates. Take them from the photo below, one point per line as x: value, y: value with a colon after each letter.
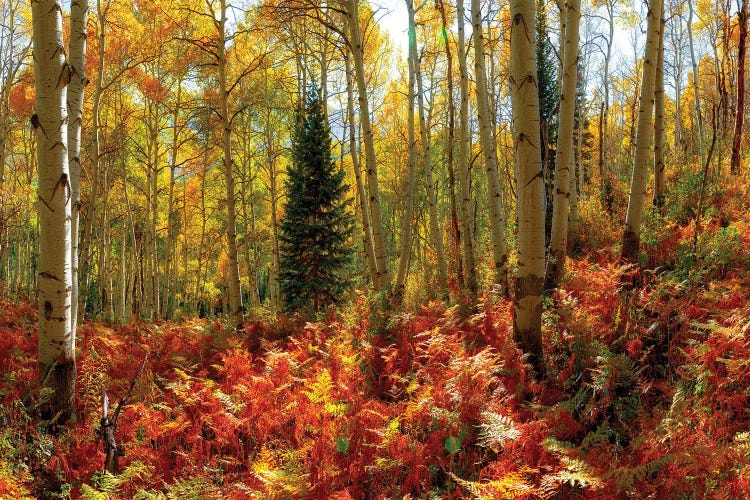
x: 462, y: 165
x: 78, y: 17
x: 486, y: 137
x: 659, y: 129
x: 362, y: 195
x: 371, y: 164
x: 527, y: 304
x: 407, y: 220
x: 235, y: 293
x: 632, y: 234
x: 565, y: 159
x: 435, y: 231
x: 56, y: 340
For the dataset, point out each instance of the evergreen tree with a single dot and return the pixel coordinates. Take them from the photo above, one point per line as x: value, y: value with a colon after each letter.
x: 315, y: 231
x: 546, y: 74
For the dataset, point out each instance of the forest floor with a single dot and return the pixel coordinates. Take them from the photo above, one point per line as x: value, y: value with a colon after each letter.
x: 646, y: 395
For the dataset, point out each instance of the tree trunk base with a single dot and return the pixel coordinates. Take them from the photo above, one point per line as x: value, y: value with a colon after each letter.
x: 61, y: 378
x: 631, y: 243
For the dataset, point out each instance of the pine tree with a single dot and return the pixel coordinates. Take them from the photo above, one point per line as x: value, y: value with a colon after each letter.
x: 316, y: 229
x: 546, y: 74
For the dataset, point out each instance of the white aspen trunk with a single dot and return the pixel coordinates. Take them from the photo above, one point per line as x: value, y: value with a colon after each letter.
x: 56, y: 340
x: 659, y: 130
x: 632, y: 234
x: 527, y: 305
x: 376, y: 218
x: 435, y: 231
x: 235, y: 293
x: 565, y: 157
x: 462, y: 164
x: 408, y: 218
x: 696, y: 78
x: 486, y: 137
x: 168, y: 264
x: 367, y: 242
x: 78, y: 80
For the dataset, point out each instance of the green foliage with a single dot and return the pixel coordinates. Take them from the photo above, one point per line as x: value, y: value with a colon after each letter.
x: 316, y: 228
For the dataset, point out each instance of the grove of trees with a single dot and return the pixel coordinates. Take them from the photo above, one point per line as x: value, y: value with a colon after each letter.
x: 527, y: 202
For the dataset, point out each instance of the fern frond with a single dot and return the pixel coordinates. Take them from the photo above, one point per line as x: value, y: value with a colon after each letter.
x: 496, y: 430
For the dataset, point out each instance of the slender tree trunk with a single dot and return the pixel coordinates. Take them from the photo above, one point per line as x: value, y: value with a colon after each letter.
x: 565, y: 157
x: 57, y: 364
x: 171, y: 238
x: 486, y: 136
x: 364, y: 208
x: 462, y: 165
x: 632, y: 235
x: 84, y: 246
x: 408, y: 219
x: 737, y: 141
x: 77, y: 48
x: 696, y: 78
x: 378, y: 234
x: 455, y: 226
x: 235, y: 293
x: 659, y: 129
x: 435, y: 232
x: 527, y: 305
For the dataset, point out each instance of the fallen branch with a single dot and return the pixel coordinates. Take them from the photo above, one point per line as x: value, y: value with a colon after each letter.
x: 108, y: 426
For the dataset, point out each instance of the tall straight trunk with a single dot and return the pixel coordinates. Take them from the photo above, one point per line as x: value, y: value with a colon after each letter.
x: 527, y: 304
x: 696, y: 78
x: 576, y: 189
x: 364, y: 208
x: 408, y: 218
x: 235, y: 293
x: 462, y: 165
x: 737, y: 140
x: 455, y: 226
x: 378, y: 234
x: 84, y: 245
x: 170, y: 243
x: 435, y: 232
x: 486, y: 137
x: 659, y: 128
x: 77, y: 48
x: 632, y: 235
x: 273, y: 279
x: 565, y: 157
x: 604, y: 117
x: 57, y: 366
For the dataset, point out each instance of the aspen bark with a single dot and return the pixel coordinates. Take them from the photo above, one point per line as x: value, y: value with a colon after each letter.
x: 364, y: 208
x: 408, y: 218
x: 527, y: 304
x: 56, y: 340
x: 565, y: 156
x: 632, y: 234
x: 696, y: 78
x: 78, y: 16
x: 456, y: 227
x: 167, y: 301
x: 462, y: 165
x: 378, y: 234
x: 435, y: 232
x: 737, y: 140
x: 486, y: 137
x: 659, y: 129
x: 235, y: 293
